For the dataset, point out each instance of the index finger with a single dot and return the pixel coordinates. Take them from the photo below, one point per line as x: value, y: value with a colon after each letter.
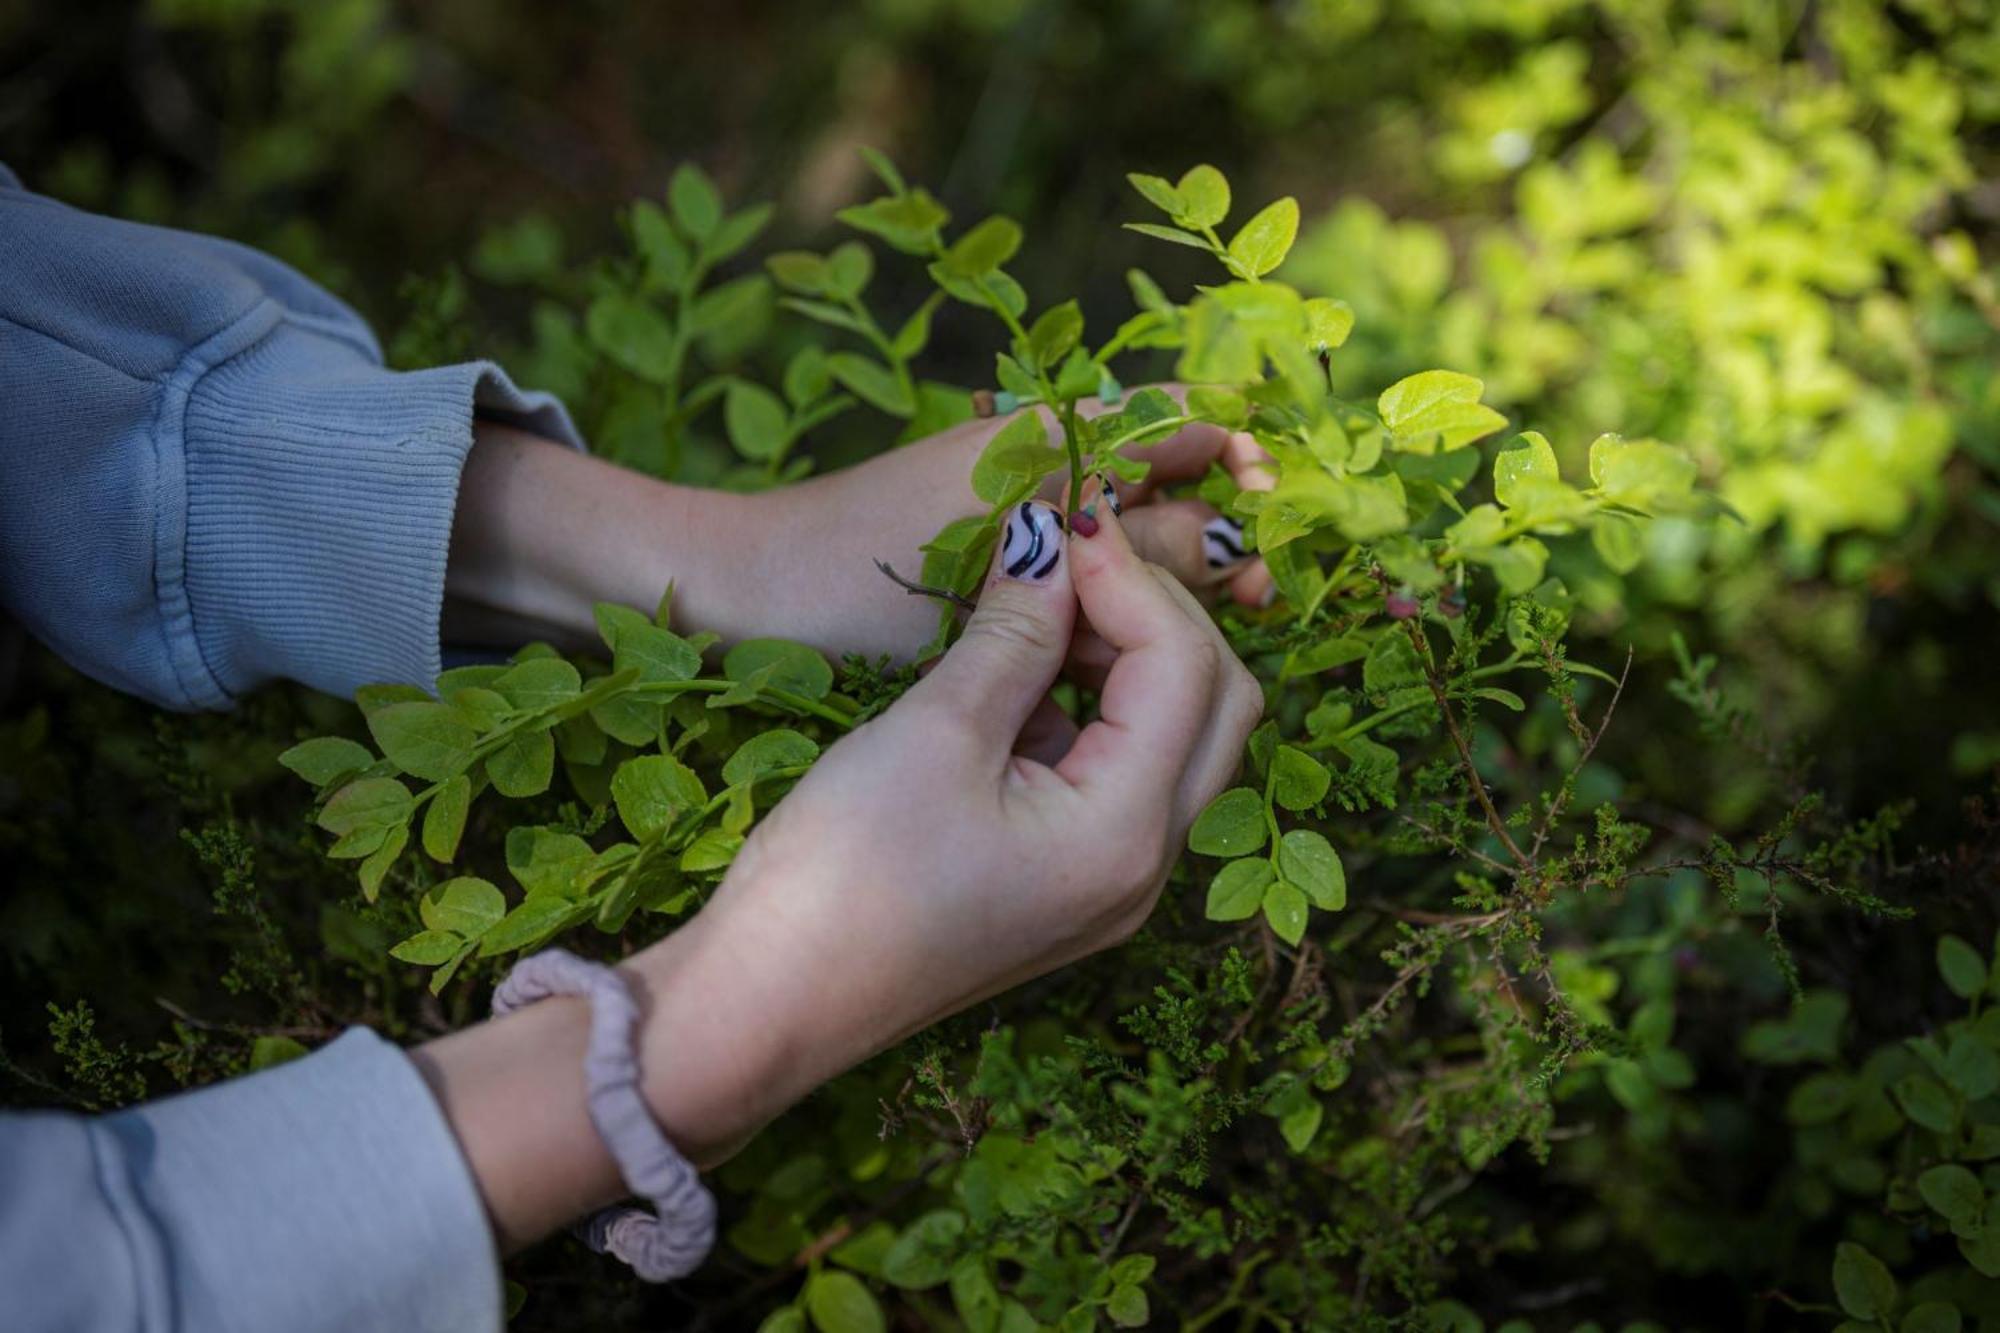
x: 1155, y: 705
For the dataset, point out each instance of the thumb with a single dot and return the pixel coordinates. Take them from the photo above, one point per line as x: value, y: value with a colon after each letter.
x: 1012, y: 647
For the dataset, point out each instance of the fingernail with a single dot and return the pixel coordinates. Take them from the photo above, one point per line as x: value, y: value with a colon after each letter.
x: 1084, y: 521
x: 1031, y: 543
x: 1222, y: 542
x: 1110, y: 491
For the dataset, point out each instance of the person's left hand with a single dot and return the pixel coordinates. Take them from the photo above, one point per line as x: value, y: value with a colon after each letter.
x: 827, y: 532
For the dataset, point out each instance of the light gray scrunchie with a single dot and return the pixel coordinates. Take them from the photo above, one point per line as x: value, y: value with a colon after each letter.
x: 671, y: 1242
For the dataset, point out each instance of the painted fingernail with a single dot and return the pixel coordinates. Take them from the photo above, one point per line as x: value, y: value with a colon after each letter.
x: 1084, y: 521
x: 1110, y: 489
x: 1031, y: 543
x: 1222, y: 542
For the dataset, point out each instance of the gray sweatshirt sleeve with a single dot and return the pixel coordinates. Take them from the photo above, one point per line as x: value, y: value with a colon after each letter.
x: 324, y: 1194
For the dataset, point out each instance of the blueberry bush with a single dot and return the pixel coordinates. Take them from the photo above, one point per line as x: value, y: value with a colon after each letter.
x: 1597, y: 934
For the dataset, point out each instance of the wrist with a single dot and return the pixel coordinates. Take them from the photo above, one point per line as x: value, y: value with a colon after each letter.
x: 722, y: 1050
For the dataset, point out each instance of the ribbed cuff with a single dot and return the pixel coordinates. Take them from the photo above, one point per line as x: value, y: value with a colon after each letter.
x: 316, y: 492
x: 327, y: 1193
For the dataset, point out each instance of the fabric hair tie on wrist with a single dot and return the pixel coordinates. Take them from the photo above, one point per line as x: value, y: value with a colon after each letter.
x: 671, y: 1242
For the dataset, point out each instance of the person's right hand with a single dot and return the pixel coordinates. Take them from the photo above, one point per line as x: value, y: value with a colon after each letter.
x: 925, y: 862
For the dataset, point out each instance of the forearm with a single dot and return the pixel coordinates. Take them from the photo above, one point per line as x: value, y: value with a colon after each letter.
x: 542, y: 533
x: 714, y: 1056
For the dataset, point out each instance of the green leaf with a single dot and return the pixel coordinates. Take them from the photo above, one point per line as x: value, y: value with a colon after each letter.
x: 786, y: 1319
x: 1204, y: 198
x: 1174, y: 234
x: 1971, y: 1067
x: 1618, y: 542
x: 667, y: 258
x: 637, y: 644
x: 1159, y: 192
x: 1133, y: 1268
x: 1018, y: 455
x: 1237, y: 891
x: 839, y: 1303
x: 1525, y: 461
x: 714, y: 849
x: 737, y: 231
x: 848, y: 270
x: 652, y: 791
x: 1862, y: 1283
x: 1392, y: 663
x: 796, y: 668
x: 1232, y: 825
x: 466, y: 906
x: 634, y: 333
x: 428, y: 948
x: 1328, y: 322
x: 974, y: 1296
x: 1642, y: 474
x: 1953, y: 1191
x: 1307, y: 859
x: 1285, y: 909
x: 375, y: 867
x: 694, y: 201
x: 872, y: 382
x: 1299, y: 781
x: 324, y: 758
x: 1299, y: 1115
x: 806, y: 376
x: 527, y: 925
x: 268, y: 1051
x: 983, y: 249
x: 427, y: 740
x: 368, y: 803
x: 1983, y: 1250
x: 925, y: 1253
x: 1961, y: 967
x: 1054, y: 333
x: 1932, y: 1317
x: 445, y: 817
x: 1926, y: 1102
x: 1266, y: 239
x: 907, y: 222
x: 766, y: 751
x: 539, y: 682
x: 524, y: 766
x: 756, y: 421
x: 1436, y: 411
x: 1127, y: 1306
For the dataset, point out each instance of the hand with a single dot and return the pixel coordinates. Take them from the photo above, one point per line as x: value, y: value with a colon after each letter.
x: 542, y: 533
x: 921, y: 865
x: 821, y: 585
x: 925, y: 862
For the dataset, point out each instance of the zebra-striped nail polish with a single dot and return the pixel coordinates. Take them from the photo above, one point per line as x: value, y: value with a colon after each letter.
x: 1110, y: 489
x: 1222, y: 542
x: 1031, y: 543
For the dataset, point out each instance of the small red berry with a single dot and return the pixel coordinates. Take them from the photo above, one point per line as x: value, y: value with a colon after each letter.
x: 1400, y: 606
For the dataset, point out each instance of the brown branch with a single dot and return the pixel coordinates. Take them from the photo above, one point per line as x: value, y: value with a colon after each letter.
x: 957, y: 599
x: 1436, y: 682
x: 1555, y: 809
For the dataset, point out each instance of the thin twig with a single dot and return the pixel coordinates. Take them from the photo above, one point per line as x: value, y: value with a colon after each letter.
x: 957, y: 599
x: 1568, y: 788
x: 1493, y: 820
